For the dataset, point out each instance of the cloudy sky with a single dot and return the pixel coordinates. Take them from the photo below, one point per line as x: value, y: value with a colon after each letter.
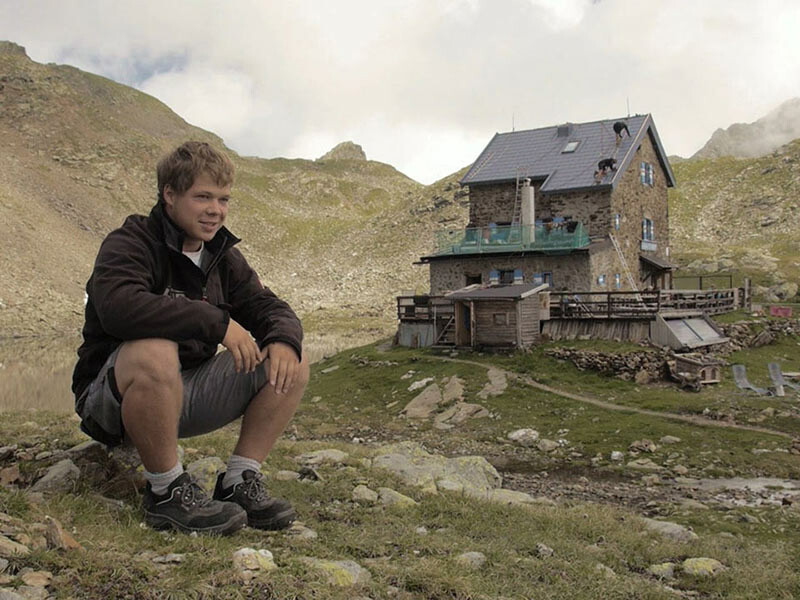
x: 424, y: 84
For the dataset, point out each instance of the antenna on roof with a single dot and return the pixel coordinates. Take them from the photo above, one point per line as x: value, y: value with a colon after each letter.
x: 628, y: 102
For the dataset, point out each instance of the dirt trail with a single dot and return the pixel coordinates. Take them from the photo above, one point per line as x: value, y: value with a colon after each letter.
x: 693, y: 419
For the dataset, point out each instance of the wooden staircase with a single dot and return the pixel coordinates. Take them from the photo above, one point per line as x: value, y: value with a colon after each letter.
x: 447, y: 336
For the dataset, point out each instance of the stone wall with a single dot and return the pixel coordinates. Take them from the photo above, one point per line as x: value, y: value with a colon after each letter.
x: 570, y: 271
x: 635, y: 201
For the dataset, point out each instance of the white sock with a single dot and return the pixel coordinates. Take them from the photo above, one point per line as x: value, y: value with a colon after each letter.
x: 159, y: 482
x: 236, y: 466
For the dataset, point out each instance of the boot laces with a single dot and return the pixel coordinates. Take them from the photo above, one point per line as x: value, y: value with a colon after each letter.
x: 254, y: 489
x: 193, y: 495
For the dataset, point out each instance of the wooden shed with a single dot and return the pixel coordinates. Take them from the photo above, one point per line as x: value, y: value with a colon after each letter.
x: 499, y: 315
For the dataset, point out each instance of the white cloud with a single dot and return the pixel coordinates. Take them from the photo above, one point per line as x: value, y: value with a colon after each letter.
x: 424, y: 84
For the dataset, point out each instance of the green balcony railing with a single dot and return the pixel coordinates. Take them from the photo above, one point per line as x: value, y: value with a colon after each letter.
x: 551, y: 238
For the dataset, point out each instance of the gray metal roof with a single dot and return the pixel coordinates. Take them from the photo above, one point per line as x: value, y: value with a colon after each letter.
x: 538, y: 154
x: 512, y: 291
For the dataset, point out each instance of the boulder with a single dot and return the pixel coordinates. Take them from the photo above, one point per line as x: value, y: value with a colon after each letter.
x: 664, y: 570
x: 497, y: 384
x: 461, y: 412
x: 424, y: 404
x: 390, y: 497
x: 702, y: 567
x: 363, y: 494
x: 453, y: 390
x: 60, y: 477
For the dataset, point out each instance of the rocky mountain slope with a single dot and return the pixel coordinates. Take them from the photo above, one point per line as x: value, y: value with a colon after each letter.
x: 78, y: 155
x: 751, y: 140
x: 740, y: 216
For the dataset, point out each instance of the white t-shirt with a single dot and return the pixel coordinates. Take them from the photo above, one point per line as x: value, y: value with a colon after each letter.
x: 196, y: 257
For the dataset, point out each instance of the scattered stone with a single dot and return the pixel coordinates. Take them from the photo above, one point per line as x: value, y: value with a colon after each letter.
x: 702, y: 567
x: 4, y: 563
x: 286, y: 475
x: 605, y: 571
x: 496, y: 386
x: 461, y: 412
x: 315, y: 399
x: 643, y: 445
x: 343, y: 573
x: 471, y: 560
x: 545, y: 445
x: 680, y: 470
x: 664, y: 570
x: 420, y: 384
x: 30, y: 592
x: 644, y: 464
x: 9, y: 475
x: 61, y: 477
x: 453, y: 390
x: 90, y: 450
x: 205, y: 471
x: 421, y: 530
x: 670, y: 439
x: 9, y: 547
x: 617, y: 456
x: 416, y: 467
x: 408, y: 374
x: 169, y: 559
x: 691, y: 504
x: 6, y: 594
x: 642, y: 377
x: 524, y: 437
x: 329, y: 369
x: 390, y: 497
x: 37, y: 578
x: 319, y: 457
x: 57, y: 538
x: 298, y: 531
x: 7, y: 451
x: 309, y: 474
x: 543, y: 551
x: 651, y: 479
x: 363, y: 494
x: 424, y: 404
x: 249, y: 562
x: 671, y: 530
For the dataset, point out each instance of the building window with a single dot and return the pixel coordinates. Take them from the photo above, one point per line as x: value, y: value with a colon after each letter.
x: 648, y: 231
x: 616, y: 221
x: 473, y: 279
x: 545, y: 277
x: 617, y: 281
x: 646, y: 173
x: 507, y: 277
x: 500, y: 318
x: 570, y: 147
x: 601, y: 280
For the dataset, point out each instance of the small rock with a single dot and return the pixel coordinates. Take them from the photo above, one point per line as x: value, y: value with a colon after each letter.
x: 605, y: 571
x: 205, y: 471
x: 4, y: 562
x: 664, y: 570
x: 299, y: 531
x: 9, y: 547
x: 37, y: 578
x: 702, y: 567
x: 643, y: 445
x: 680, y: 470
x: 9, y: 475
x: 420, y: 384
x: 669, y: 439
x: 61, y: 477
x: 43, y: 455
x: 421, y: 530
x: 617, y: 456
x: 545, y: 445
x: 250, y: 559
x: 691, y: 504
x: 670, y: 530
x: 319, y: 457
x: 167, y: 559
x: 7, y: 451
x: 390, y: 497
x: 642, y: 377
x: 329, y: 369
x: 344, y: 573
x: 90, y: 450
x: 6, y: 594
x: 471, y: 560
x: 644, y: 464
x: 543, y: 551
x: 316, y: 399
x: 309, y: 474
x: 30, y: 592
x: 651, y: 479
x: 286, y: 475
x: 524, y: 437
x: 362, y: 493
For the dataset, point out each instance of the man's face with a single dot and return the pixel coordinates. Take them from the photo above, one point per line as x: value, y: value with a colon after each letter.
x: 200, y: 211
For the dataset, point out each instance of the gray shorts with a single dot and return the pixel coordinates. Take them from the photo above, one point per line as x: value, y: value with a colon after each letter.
x: 214, y: 394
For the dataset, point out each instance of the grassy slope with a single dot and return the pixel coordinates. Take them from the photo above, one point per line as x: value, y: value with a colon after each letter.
x: 363, y: 397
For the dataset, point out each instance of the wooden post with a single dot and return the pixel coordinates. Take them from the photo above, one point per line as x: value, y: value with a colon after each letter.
x: 472, y: 323
x: 608, y: 304
x: 519, y: 323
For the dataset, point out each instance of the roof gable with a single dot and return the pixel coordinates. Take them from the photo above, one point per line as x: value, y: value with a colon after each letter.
x: 539, y: 154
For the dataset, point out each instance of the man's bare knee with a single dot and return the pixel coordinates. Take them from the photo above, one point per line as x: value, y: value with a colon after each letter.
x: 151, y: 361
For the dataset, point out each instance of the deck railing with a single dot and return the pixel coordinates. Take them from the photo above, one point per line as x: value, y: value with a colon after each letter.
x: 551, y: 238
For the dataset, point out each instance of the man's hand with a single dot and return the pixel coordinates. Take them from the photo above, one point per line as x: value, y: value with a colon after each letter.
x: 283, y: 365
x: 242, y: 346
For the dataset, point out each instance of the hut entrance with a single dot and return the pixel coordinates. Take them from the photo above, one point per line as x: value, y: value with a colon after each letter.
x: 463, y: 324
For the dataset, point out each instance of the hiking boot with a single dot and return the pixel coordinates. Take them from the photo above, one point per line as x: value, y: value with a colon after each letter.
x: 263, y: 512
x: 186, y: 507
